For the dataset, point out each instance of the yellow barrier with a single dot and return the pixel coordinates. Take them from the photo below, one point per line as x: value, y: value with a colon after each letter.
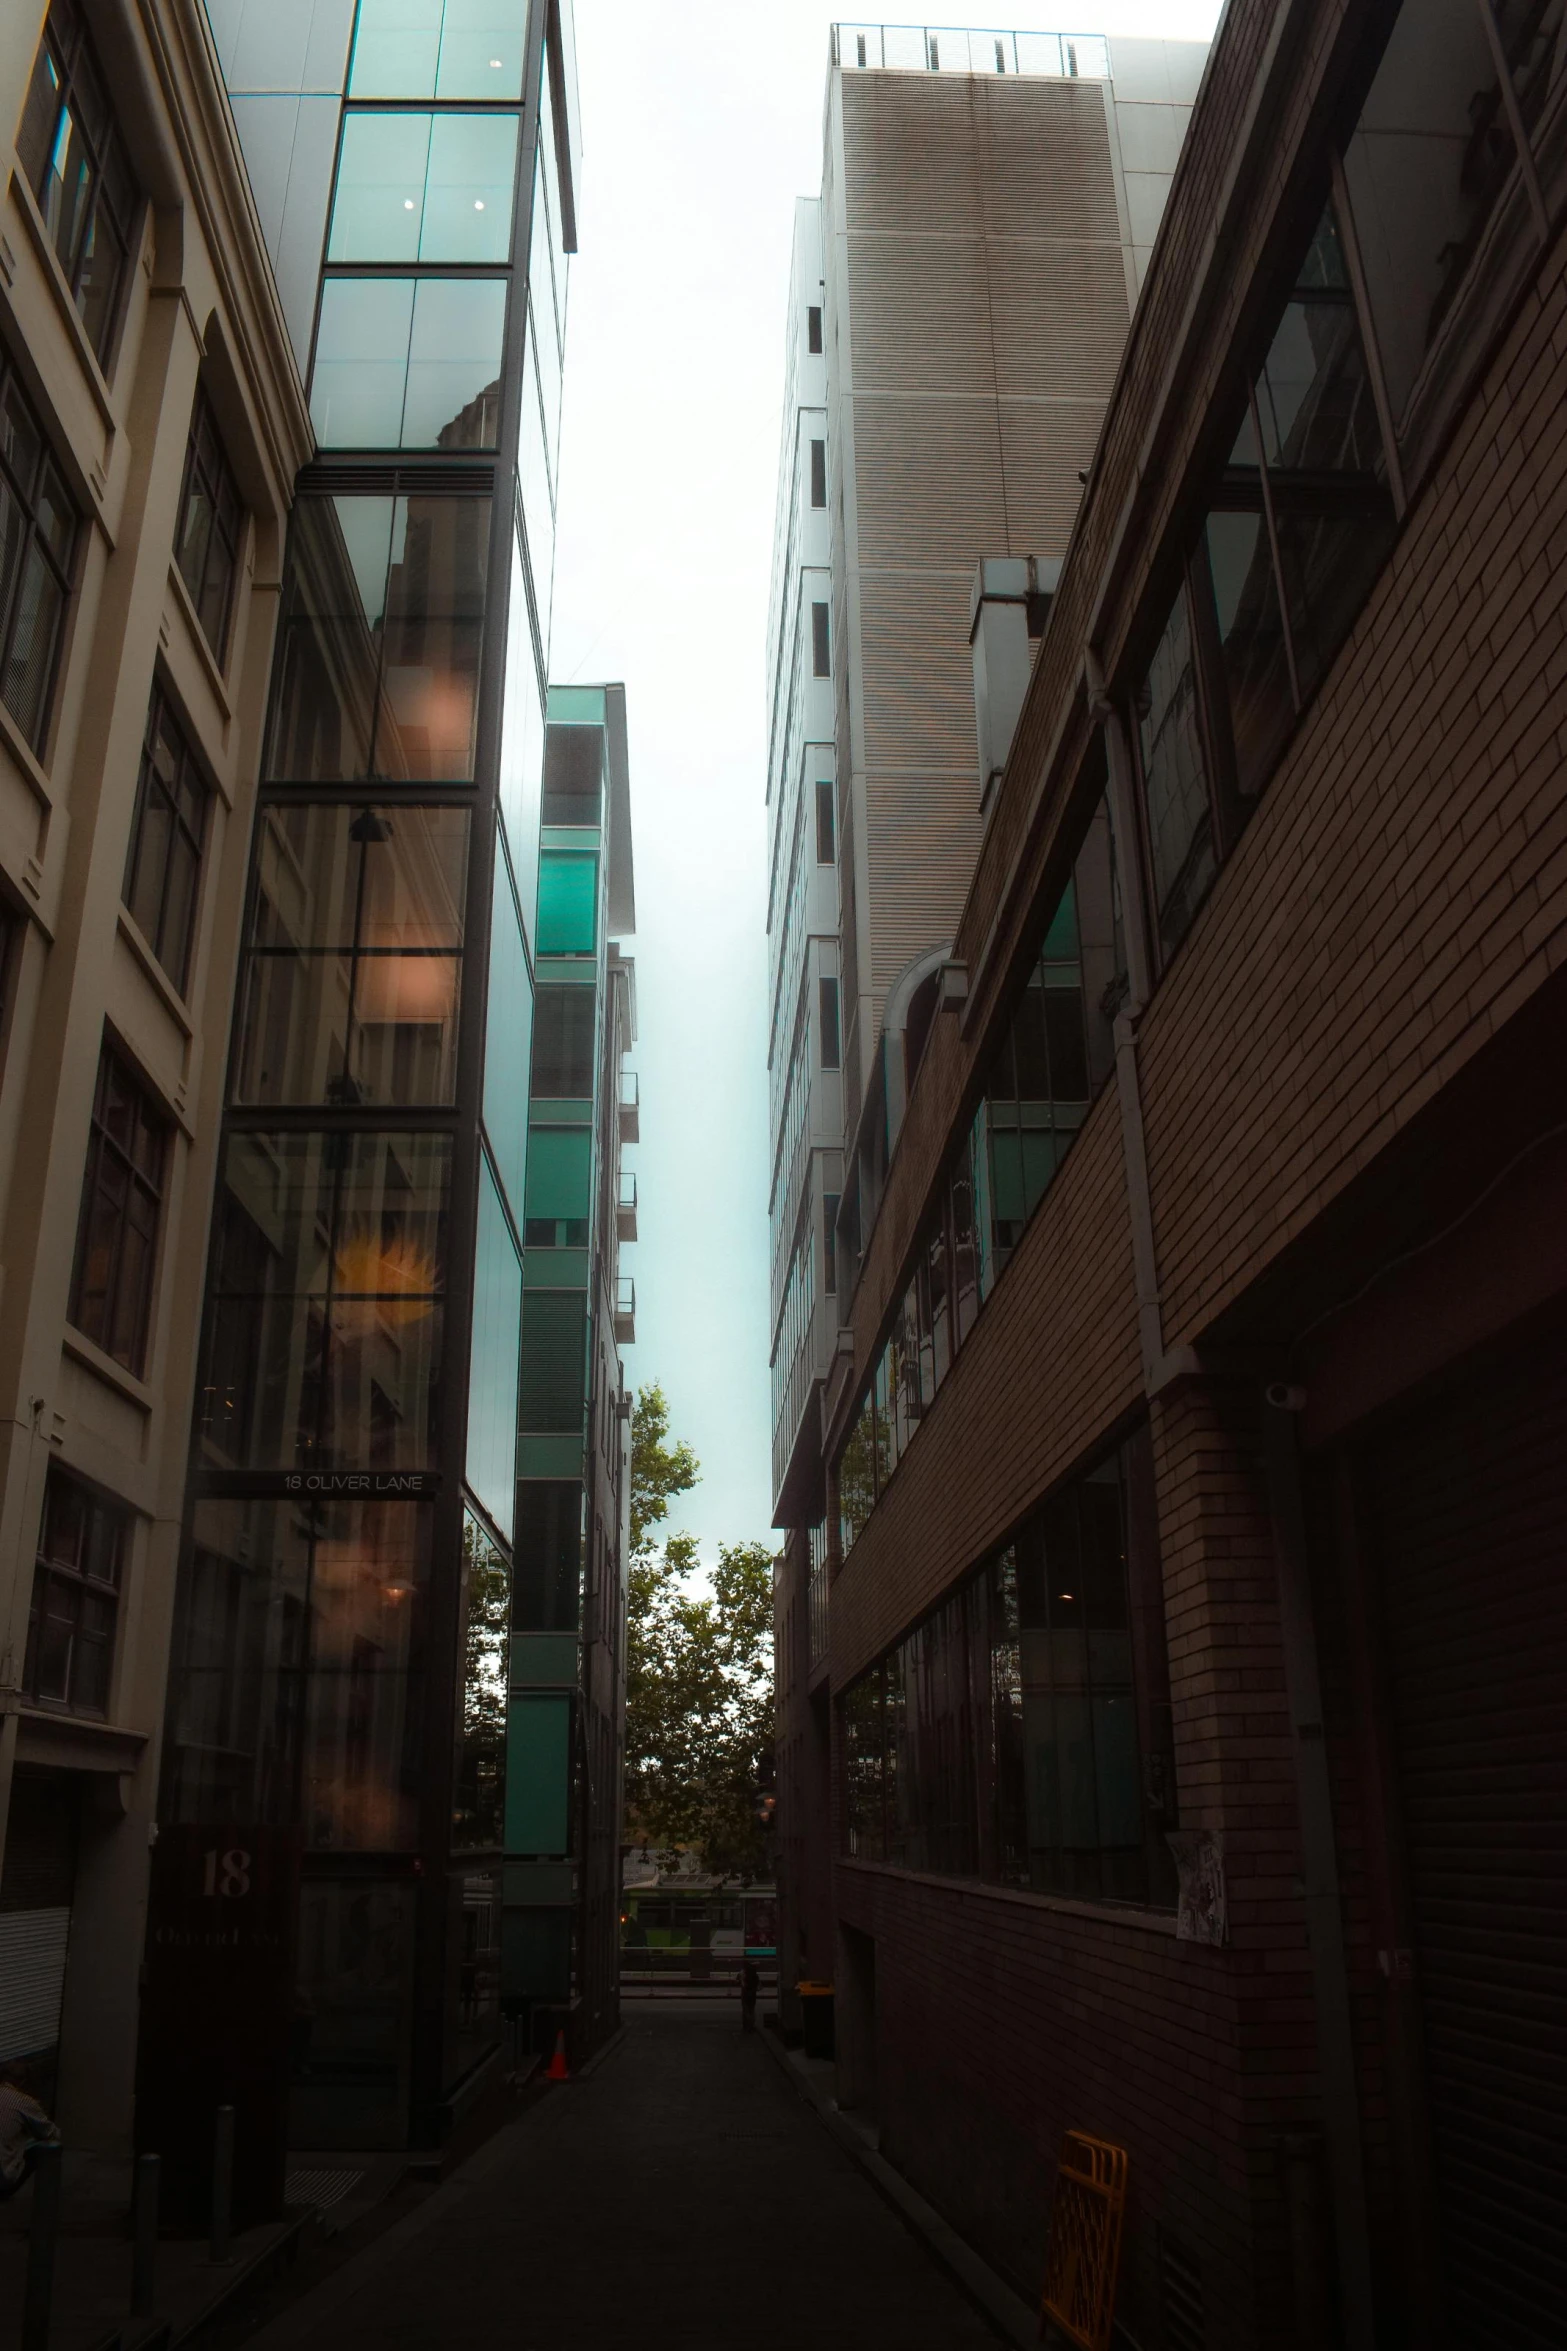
x: 1085, y: 2240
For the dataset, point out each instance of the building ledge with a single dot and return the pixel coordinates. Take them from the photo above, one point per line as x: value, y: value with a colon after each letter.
x: 72, y: 1742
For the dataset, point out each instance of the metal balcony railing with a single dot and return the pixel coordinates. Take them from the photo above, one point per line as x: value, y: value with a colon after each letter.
x: 625, y: 1311
x: 630, y: 1107
x: 626, y: 1208
x: 921, y: 48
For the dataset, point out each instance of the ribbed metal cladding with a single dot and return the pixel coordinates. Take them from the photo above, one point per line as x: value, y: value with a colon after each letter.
x: 983, y: 307
x: 1469, y: 1511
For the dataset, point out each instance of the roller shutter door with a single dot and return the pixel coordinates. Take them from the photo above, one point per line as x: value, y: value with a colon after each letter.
x: 1469, y: 1511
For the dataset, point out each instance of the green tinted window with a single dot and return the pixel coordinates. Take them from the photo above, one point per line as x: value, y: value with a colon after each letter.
x: 568, y: 904
x: 560, y: 1168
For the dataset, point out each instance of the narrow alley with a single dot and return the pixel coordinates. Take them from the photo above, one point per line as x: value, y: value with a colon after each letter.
x: 683, y: 2196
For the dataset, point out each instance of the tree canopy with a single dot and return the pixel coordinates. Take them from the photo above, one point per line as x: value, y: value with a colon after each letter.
x: 699, y: 1687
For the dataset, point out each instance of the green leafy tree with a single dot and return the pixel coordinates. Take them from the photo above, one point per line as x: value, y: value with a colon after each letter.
x: 699, y: 1694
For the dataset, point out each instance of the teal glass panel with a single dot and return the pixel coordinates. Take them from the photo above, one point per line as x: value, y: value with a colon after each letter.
x: 361, y: 365
x: 454, y: 364
x: 468, y: 196
x: 553, y: 1397
x: 420, y: 187
x: 497, y: 1332
x: 378, y: 208
x: 508, y: 1039
x: 538, y: 1774
x: 522, y: 745
x: 568, y: 903
x: 560, y: 1172
x: 420, y: 49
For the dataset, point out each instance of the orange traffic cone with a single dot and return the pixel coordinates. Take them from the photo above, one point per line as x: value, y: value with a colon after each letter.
x: 557, y: 2070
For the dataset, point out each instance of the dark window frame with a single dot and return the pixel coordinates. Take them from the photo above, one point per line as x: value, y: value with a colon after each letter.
x: 88, y: 1582
x: 112, y: 203
x: 162, y: 814
x: 208, y: 560
x: 818, y: 473
x: 123, y: 1188
x: 813, y: 328
x: 33, y: 484
x: 826, y: 821
x: 821, y: 640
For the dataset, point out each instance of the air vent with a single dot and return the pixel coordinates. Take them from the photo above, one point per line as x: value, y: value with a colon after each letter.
x: 385, y: 481
x: 1180, y: 2294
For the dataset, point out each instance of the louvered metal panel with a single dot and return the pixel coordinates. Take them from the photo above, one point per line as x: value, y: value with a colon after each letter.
x: 32, y: 1979
x: 1469, y: 1507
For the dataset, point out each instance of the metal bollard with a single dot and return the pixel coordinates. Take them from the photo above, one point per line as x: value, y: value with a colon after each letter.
x: 144, y: 2237
x: 222, y: 2183
x: 38, y: 2301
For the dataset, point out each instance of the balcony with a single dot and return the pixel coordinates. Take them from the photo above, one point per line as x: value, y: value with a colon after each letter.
x: 630, y: 1108
x: 625, y: 1311
x: 626, y: 1209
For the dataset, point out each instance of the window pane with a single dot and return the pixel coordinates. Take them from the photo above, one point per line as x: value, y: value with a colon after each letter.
x: 1174, y: 783
x: 379, y: 204
x: 508, y: 1038
x: 566, y: 1021
x: 535, y: 486
x: 548, y: 1569
x: 1314, y: 396
x: 334, y: 599
x: 1251, y: 642
x: 468, y: 198
x: 98, y: 274
x: 1428, y: 158
x: 522, y: 745
x: 396, y: 48
x: 1330, y: 560
x: 361, y: 365
x: 568, y: 904
x: 560, y: 1171
x: 481, y: 49
x: 454, y: 364
x: 29, y: 660
x: 492, y: 1388
x: 434, y: 620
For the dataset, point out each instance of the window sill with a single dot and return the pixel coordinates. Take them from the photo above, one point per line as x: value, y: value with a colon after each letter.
x: 55, y: 1736
x: 114, y: 1375
x: 204, y: 653
x: 97, y: 384
x: 26, y: 759
x: 173, y: 1002
x: 1139, y: 1915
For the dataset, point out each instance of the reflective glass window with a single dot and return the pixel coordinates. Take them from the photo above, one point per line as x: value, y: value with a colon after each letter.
x: 408, y: 363
x: 536, y: 495
x: 479, y: 1797
x: 424, y: 49
x: 323, y: 1339
x: 864, y: 1768
x: 422, y: 187
x: 1250, y: 630
x: 568, y: 903
x: 37, y: 548
x: 508, y: 1037
x: 383, y: 609
x: 1175, y: 784
x: 122, y: 1210
x: 75, y: 160
x: 82, y: 1548
x: 547, y: 1571
x: 211, y: 527
x: 297, y: 1673
x: 168, y: 831
x: 492, y: 1386
x: 352, y: 974
x: 522, y: 744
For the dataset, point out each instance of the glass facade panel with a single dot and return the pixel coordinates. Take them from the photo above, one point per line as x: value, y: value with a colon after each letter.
x: 296, y: 1680
x: 547, y: 1577
x: 492, y: 1379
x: 565, y: 1038
x: 560, y: 1172
x: 568, y: 903
x: 324, y: 1302
x: 424, y: 187
x: 1180, y: 827
x: 537, y: 495
x: 508, y: 1038
x: 420, y: 49
x: 478, y: 1807
x: 522, y: 745
x: 408, y: 363
x: 360, y: 374
x: 434, y: 622
x: 351, y: 979
x: 354, y: 2005
x: 1251, y: 642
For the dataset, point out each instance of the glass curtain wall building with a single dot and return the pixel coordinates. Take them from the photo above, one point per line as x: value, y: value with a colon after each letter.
x: 338, y: 1675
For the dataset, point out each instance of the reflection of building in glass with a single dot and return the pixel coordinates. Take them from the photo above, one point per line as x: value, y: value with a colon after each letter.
x: 394, y: 1661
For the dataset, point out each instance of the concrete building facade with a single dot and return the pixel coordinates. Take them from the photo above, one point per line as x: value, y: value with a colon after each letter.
x: 1195, y: 1640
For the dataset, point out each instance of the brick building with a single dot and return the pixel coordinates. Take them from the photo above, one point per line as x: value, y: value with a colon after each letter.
x: 1184, y: 1761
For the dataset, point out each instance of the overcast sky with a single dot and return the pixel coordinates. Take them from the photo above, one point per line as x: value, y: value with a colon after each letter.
x: 701, y: 122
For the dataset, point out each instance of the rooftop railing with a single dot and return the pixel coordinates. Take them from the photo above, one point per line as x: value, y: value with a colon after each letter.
x: 928, y: 48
